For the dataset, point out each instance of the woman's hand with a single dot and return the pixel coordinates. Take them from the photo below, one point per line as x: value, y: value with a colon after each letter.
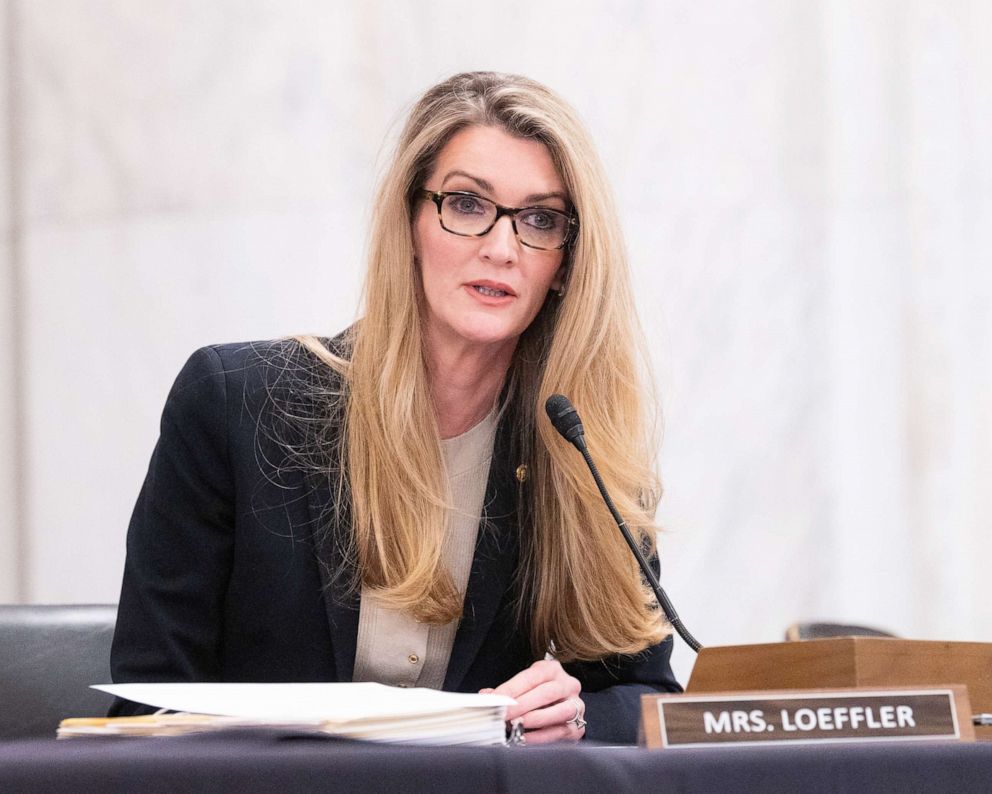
x: 548, y: 703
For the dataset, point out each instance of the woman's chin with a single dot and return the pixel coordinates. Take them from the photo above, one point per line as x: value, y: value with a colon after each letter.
x: 483, y: 334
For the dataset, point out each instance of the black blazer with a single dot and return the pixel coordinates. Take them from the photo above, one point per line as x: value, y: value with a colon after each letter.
x: 235, y: 569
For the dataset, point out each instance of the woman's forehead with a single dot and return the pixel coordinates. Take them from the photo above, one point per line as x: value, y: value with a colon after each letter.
x: 488, y: 159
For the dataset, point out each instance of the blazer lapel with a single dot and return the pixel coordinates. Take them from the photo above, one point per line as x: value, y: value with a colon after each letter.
x: 497, y: 551
x: 329, y: 522
x: 340, y: 602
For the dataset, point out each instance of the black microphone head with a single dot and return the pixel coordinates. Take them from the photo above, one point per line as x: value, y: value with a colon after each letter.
x: 565, y: 419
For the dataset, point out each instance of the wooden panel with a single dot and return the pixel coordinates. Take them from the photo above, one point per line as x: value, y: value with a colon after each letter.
x: 848, y: 662
x: 899, y: 662
x: 784, y: 665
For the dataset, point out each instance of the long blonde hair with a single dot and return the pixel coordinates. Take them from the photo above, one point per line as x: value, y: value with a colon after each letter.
x: 579, y: 586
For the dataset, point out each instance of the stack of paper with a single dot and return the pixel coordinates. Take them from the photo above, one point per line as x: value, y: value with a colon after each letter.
x: 372, y: 712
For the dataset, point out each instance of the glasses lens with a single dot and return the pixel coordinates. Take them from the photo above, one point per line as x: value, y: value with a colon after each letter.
x: 542, y: 228
x: 467, y: 214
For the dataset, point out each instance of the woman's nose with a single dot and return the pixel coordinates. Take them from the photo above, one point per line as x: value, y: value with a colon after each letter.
x: 500, y: 244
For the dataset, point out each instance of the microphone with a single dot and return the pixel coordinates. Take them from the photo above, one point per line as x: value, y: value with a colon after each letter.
x: 566, y: 421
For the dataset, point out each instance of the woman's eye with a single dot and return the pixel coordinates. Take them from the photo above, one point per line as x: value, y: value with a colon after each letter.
x: 467, y: 205
x: 542, y: 219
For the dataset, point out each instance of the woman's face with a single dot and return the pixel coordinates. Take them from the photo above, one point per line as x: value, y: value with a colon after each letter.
x: 486, y: 290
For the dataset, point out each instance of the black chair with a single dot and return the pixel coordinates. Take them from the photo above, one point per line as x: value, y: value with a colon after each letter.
x: 819, y: 631
x: 49, y: 656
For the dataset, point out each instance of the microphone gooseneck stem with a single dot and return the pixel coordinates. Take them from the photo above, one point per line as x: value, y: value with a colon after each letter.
x: 660, y: 594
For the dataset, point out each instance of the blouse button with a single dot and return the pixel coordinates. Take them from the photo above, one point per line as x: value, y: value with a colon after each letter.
x: 413, y: 658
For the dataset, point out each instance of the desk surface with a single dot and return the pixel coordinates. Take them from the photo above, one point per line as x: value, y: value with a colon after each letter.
x: 268, y: 761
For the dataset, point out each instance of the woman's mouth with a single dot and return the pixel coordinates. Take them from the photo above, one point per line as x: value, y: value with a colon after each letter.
x: 493, y: 290
x: 490, y: 291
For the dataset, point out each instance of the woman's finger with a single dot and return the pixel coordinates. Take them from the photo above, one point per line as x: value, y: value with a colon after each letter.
x: 530, y: 677
x: 542, y: 696
x: 555, y: 733
x: 556, y: 714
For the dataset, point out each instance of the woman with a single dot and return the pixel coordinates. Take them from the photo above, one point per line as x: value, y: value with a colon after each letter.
x: 390, y: 504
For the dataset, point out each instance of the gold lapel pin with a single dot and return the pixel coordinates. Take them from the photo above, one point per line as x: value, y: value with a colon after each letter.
x: 522, y: 472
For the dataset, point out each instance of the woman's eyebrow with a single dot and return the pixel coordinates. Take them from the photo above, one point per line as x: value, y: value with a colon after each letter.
x: 487, y: 187
x: 482, y: 183
x: 535, y: 198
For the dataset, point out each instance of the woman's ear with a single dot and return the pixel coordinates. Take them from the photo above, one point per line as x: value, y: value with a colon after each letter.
x: 558, y: 282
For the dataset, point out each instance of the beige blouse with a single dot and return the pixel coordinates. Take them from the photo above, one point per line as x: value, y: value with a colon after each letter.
x: 395, y: 649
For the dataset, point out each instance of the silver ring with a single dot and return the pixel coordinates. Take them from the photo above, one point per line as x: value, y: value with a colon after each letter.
x: 577, y: 720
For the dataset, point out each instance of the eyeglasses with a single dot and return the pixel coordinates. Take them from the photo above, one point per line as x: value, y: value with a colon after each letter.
x: 469, y: 215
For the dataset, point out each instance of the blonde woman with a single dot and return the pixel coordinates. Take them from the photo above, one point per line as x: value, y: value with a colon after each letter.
x: 391, y: 504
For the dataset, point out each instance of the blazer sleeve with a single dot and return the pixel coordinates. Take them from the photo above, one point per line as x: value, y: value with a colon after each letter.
x: 612, y: 688
x: 180, y: 540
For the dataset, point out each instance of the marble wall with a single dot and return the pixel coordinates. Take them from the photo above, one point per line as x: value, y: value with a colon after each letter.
x: 806, y: 193
x: 10, y: 529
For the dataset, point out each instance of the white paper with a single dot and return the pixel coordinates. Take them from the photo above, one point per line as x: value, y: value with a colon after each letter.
x: 301, y: 702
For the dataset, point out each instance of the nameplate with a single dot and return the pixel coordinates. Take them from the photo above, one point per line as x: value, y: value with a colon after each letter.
x: 807, y: 717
